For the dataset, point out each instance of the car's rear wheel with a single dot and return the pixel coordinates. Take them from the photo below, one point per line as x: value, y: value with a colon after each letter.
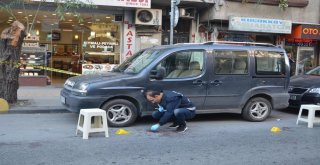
x: 257, y: 109
x: 120, y: 112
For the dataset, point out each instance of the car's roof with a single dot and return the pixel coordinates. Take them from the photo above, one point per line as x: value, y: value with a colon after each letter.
x: 181, y: 46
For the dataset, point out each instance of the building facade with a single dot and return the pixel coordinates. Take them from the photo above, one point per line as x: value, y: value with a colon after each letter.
x: 116, y: 29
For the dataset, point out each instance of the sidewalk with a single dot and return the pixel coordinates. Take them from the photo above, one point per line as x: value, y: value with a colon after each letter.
x: 38, y: 100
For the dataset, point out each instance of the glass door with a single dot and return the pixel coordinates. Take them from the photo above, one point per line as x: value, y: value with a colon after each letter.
x: 305, y: 60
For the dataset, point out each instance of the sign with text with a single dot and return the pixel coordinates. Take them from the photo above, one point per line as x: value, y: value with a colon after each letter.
x: 120, y: 3
x: 300, y: 42
x: 97, y: 68
x: 129, y: 39
x: 260, y: 25
x: 310, y: 31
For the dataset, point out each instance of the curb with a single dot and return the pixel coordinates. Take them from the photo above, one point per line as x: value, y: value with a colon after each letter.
x: 30, y: 110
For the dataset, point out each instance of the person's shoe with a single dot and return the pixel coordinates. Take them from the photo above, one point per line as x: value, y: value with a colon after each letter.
x: 182, y: 128
x: 173, y: 125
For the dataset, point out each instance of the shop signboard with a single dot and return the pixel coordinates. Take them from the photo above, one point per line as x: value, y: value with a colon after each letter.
x: 97, y: 68
x: 310, y: 31
x: 260, y: 25
x: 120, y: 3
x: 129, y: 39
x: 300, y: 42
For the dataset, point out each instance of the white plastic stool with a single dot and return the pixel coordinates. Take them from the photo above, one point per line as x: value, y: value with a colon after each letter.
x: 311, y: 114
x: 84, y: 122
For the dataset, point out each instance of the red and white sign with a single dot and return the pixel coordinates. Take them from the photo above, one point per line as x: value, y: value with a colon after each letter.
x: 121, y: 3
x: 127, y: 3
x: 129, y: 39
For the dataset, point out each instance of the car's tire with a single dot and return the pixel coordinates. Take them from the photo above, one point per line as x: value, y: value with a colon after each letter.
x: 257, y: 109
x: 120, y: 113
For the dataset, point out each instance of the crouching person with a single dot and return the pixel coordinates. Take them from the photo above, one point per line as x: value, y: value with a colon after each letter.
x: 171, y: 106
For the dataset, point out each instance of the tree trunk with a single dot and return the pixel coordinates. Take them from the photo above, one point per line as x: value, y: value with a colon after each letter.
x: 10, y: 50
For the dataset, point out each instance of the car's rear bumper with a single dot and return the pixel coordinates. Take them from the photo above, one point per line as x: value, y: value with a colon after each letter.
x: 280, y: 101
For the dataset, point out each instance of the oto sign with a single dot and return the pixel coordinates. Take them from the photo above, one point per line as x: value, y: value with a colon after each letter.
x: 310, y: 31
x: 306, y: 32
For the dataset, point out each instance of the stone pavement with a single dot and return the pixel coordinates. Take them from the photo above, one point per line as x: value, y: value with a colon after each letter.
x: 38, y: 100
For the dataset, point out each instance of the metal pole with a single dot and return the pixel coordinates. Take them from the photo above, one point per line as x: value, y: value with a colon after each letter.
x: 172, y: 20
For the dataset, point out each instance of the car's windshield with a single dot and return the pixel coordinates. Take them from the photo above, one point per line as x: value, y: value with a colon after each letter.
x: 138, y: 61
x: 315, y: 72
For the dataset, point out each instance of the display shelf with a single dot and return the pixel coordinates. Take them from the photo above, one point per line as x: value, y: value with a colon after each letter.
x: 31, y: 57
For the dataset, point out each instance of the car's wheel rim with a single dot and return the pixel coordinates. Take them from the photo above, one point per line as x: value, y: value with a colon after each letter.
x: 259, y: 110
x: 119, y: 114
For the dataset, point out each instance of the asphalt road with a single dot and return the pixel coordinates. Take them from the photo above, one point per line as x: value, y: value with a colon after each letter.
x: 222, y: 139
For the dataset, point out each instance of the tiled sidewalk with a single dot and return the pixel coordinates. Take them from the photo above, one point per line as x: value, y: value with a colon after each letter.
x: 38, y: 100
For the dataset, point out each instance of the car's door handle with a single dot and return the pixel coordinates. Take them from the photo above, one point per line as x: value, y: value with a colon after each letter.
x: 216, y: 82
x: 199, y: 82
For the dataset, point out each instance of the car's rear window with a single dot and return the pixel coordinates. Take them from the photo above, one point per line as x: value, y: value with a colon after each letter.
x: 269, y: 63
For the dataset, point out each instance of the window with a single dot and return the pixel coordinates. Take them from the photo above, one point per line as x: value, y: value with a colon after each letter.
x: 269, y: 63
x: 231, y: 62
x: 139, y: 61
x: 182, y: 64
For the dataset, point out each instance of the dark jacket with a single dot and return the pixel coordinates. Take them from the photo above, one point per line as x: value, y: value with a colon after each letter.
x: 172, y: 100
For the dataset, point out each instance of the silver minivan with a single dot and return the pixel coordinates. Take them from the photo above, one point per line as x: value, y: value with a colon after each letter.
x: 246, y: 78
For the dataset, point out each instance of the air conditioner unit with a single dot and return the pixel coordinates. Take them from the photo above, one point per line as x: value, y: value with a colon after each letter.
x: 148, y: 17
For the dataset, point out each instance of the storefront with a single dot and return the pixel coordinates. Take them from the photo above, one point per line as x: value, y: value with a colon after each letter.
x: 303, y: 47
x: 247, y: 29
x: 71, y: 46
x: 103, y: 39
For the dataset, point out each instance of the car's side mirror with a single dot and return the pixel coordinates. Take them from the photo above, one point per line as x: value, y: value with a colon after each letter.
x: 158, y: 74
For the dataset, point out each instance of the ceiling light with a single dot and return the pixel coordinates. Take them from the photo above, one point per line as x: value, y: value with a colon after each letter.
x: 19, y: 12
x: 45, y: 16
x: 70, y: 20
x: 54, y: 14
x: 30, y: 15
x: 108, y: 17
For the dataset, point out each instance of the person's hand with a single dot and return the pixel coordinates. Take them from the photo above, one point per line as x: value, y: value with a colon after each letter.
x: 155, y: 127
x: 160, y: 108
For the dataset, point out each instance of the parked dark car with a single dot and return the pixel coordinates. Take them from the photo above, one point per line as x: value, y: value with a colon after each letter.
x: 246, y: 78
x: 305, y: 89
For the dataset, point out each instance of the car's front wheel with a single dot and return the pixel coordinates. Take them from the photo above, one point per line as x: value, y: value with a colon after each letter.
x: 257, y: 109
x: 120, y: 112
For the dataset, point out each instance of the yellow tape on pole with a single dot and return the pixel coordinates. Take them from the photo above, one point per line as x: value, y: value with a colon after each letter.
x: 4, y: 106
